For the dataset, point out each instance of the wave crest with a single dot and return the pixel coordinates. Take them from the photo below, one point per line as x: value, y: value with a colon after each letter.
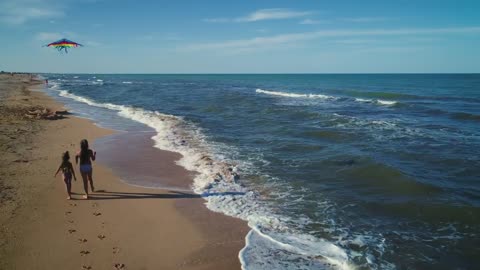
x: 294, y: 95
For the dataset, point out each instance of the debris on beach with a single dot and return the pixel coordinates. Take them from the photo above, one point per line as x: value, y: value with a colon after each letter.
x: 45, y: 114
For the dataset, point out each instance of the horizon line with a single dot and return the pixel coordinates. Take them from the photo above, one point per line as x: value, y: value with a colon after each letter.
x: 266, y: 73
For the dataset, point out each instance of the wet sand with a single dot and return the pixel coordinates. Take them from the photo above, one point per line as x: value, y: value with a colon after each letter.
x: 121, y: 226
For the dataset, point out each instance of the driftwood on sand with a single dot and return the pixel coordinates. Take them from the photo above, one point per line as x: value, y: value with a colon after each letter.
x: 46, y: 114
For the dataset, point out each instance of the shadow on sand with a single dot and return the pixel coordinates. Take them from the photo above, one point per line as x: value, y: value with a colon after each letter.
x: 111, y: 195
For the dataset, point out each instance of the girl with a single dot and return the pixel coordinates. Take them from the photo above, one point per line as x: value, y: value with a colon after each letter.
x: 86, y: 156
x: 67, y: 171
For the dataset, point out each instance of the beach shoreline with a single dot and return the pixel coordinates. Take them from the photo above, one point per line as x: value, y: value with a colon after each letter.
x: 124, y: 226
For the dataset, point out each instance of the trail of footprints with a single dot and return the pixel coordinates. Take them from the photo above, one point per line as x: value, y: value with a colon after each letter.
x: 84, y: 252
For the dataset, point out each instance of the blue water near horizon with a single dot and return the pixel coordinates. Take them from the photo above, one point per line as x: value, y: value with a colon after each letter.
x: 366, y: 171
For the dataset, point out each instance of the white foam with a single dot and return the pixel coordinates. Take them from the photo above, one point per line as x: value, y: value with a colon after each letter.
x: 325, y: 97
x: 386, y: 102
x: 378, y: 101
x: 364, y: 100
x: 127, y: 82
x: 53, y: 85
x: 293, y: 95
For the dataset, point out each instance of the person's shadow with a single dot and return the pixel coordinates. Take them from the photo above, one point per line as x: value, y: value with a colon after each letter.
x: 112, y: 195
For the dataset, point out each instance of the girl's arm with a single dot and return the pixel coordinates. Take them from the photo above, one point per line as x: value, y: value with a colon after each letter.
x: 73, y: 172
x: 94, y: 155
x: 76, y: 158
x: 59, y: 168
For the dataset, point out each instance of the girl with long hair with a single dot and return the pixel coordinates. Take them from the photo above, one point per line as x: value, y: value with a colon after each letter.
x: 86, y: 156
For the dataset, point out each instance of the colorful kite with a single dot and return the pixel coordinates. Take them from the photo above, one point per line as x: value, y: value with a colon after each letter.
x: 63, y: 44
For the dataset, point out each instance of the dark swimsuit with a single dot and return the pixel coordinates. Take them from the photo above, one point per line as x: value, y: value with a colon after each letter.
x: 85, y: 163
x: 67, y: 175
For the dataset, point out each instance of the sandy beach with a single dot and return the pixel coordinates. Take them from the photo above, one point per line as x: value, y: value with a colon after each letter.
x: 120, y: 227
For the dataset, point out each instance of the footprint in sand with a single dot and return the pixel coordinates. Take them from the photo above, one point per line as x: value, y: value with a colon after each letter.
x: 82, y: 240
x: 116, y: 250
x: 86, y: 267
x: 119, y: 266
x: 68, y: 213
x: 84, y: 252
x: 94, y: 204
x: 73, y: 204
x: 101, y: 236
x: 97, y: 214
x: 72, y: 231
x: 70, y: 221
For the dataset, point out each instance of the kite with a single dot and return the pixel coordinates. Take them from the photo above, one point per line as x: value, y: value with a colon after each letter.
x: 63, y: 44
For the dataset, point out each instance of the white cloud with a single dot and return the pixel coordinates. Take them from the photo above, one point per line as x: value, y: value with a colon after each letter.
x: 273, y: 14
x: 21, y: 11
x: 310, y: 21
x: 289, y: 39
x: 262, y: 15
x: 365, y: 19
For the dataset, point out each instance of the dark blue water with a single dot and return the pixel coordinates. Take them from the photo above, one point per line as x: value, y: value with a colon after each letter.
x: 366, y: 171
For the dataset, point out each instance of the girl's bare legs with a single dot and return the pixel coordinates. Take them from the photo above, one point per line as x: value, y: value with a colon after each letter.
x: 68, y: 184
x: 89, y: 174
x: 85, y: 185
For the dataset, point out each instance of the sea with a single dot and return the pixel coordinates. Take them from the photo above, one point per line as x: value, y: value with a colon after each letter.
x: 331, y: 171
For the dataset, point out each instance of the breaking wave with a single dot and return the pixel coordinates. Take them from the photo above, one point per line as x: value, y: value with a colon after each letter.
x: 325, y: 97
x: 294, y: 95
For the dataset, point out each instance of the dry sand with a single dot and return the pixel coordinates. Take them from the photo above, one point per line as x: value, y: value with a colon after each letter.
x: 122, y: 227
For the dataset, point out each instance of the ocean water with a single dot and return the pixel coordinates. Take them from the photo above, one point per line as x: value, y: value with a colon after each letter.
x: 336, y: 171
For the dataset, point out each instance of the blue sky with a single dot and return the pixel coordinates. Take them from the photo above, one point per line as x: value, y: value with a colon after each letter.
x: 298, y: 36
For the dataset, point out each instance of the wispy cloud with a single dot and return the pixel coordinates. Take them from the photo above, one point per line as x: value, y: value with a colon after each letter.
x: 310, y: 21
x: 21, y: 11
x: 261, y: 30
x: 294, y: 38
x: 273, y: 14
x: 365, y: 19
x: 390, y: 49
x: 217, y: 20
x: 48, y: 36
x: 355, y: 41
x: 262, y: 15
